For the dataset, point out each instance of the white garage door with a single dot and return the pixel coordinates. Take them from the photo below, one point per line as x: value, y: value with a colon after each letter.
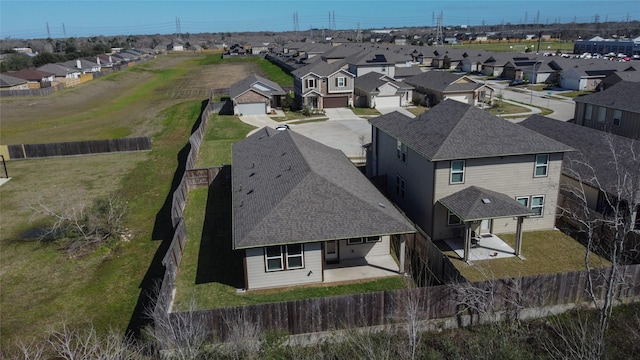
x: 252, y: 109
x: 387, y: 101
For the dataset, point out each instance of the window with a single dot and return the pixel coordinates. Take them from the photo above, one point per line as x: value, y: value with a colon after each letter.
x: 457, y: 172
x: 295, y: 257
x: 400, y: 187
x: 275, y: 257
x: 587, y: 111
x: 524, y: 200
x: 361, y: 240
x: 452, y: 219
x: 617, y: 116
x: 542, y: 165
x: 341, y: 81
x: 401, y: 151
x: 602, y: 112
x: 383, y: 68
x: 537, y: 205
x: 311, y: 83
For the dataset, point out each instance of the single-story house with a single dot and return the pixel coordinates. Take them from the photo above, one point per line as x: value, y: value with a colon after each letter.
x: 375, y: 90
x: 299, y: 206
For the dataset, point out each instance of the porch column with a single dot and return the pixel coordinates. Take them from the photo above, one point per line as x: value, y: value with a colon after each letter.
x: 467, y: 241
x: 519, y: 236
x: 402, y: 253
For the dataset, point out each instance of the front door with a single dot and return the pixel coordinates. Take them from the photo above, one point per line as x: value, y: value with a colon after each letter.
x: 331, y: 251
x: 485, y: 226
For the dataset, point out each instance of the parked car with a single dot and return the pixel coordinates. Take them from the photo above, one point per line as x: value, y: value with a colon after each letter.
x: 282, y: 127
x: 517, y: 82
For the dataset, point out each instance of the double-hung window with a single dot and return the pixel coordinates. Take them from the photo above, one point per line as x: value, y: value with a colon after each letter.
x: 401, y: 151
x: 602, y: 113
x: 537, y: 205
x: 311, y: 83
x: 284, y: 257
x: 341, y: 81
x: 588, y: 110
x: 400, y: 187
x: 542, y: 165
x: 524, y: 200
x: 457, y: 172
x: 617, y: 117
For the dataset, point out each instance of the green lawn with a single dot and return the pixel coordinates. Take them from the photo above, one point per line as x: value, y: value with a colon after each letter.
x: 365, y: 111
x: 574, y: 94
x: 42, y: 287
x: 545, y: 252
x: 506, y: 109
x: 290, y: 116
x: 221, y: 132
x: 417, y: 110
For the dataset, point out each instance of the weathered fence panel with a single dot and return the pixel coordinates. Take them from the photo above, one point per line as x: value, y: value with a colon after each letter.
x: 31, y: 151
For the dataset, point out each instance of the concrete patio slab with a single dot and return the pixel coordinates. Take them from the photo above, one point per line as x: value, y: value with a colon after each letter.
x: 357, y: 269
x: 489, y: 247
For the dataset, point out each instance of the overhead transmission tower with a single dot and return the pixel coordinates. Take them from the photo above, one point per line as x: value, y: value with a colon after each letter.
x: 178, y: 28
x: 439, y: 32
x: 296, y: 23
x: 48, y: 31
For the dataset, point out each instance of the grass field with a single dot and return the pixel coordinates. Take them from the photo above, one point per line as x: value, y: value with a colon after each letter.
x: 41, y: 286
x: 520, y: 46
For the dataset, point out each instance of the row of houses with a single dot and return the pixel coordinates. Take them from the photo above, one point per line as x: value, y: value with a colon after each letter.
x: 72, y: 72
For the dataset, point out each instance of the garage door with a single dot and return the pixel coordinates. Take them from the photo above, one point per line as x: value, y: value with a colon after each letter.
x: 387, y: 101
x: 336, y: 102
x: 252, y: 109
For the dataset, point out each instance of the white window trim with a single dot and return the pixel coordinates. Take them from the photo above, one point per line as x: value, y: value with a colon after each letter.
x: 545, y: 165
x: 355, y: 241
x: 401, y: 151
x: 284, y: 258
x: 538, y: 206
x: 523, y: 197
x: 449, y: 216
x: 301, y: 256
x: 267, y: 258
x: 454, y: 172
x: 373, y: 239
x: 342, y: 81
x: 309, y: 81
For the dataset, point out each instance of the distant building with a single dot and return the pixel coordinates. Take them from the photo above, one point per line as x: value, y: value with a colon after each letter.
x: 598, y: 45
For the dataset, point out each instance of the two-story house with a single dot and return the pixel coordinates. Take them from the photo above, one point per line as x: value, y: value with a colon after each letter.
x: 615, y: 110
x: 321, y: 85
x: 458, y: 169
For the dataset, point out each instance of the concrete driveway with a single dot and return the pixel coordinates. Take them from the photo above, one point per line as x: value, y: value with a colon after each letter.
x: 401, y: 110
x: 343, y: 131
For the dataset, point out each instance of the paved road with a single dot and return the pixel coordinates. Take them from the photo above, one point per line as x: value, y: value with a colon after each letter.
x: 562, y: 109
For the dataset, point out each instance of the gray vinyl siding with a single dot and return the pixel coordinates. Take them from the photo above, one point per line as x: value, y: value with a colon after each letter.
x: 418, y: 174
x: 259, y: 278
x: 356, y: 251
x: 510, y: 175
x: 331, y: 82
x: 629, y: 123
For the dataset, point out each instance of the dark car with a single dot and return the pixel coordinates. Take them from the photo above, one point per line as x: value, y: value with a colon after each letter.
x: 517, y: 82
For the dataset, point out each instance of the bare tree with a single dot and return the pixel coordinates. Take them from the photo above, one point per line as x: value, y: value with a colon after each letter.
x: 244, y: 334
x: 82, y: 227
x: 87, y: 344
x: 609, y: 230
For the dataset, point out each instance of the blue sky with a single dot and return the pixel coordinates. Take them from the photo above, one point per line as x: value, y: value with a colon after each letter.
x: 28, y: 19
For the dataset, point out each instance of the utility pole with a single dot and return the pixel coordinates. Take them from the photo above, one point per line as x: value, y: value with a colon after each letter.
x: 439, y: 32
x: 49, y: 31
x: 64, y: 31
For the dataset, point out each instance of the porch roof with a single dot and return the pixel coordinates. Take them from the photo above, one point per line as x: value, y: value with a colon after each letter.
x: 475, y: 203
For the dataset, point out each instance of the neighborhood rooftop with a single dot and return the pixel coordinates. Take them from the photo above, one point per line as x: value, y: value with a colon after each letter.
x: 288, y: 188
x: 453, y: 130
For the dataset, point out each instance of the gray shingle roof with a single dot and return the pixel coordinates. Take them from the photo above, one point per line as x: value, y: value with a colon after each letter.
x: 625, y: 95
x: 476, y: 203
x: 252, y: 83
x: 8, y: 80
x: 593, y: 158
x: 453, y: 130
x: 371, y: 81
x: 436, y: 80
x: 320, y: 68
x: 288, y: 188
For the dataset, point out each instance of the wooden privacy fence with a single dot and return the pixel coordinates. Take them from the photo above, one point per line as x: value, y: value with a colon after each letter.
x: 190, y: 178
x: 437, y: 303
x: 31, y: 151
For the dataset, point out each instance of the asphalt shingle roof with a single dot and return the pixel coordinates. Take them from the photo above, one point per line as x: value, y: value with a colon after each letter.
x: 625, y: 95
x: 288, y: 188
x: 453, y: 130
x: 8, y: 80
x: 249, y: 82
x: 593, y: 162
x: 371, y: 81
x: 436, y: 80
x: 476, y: 203
x: 320, y: 68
